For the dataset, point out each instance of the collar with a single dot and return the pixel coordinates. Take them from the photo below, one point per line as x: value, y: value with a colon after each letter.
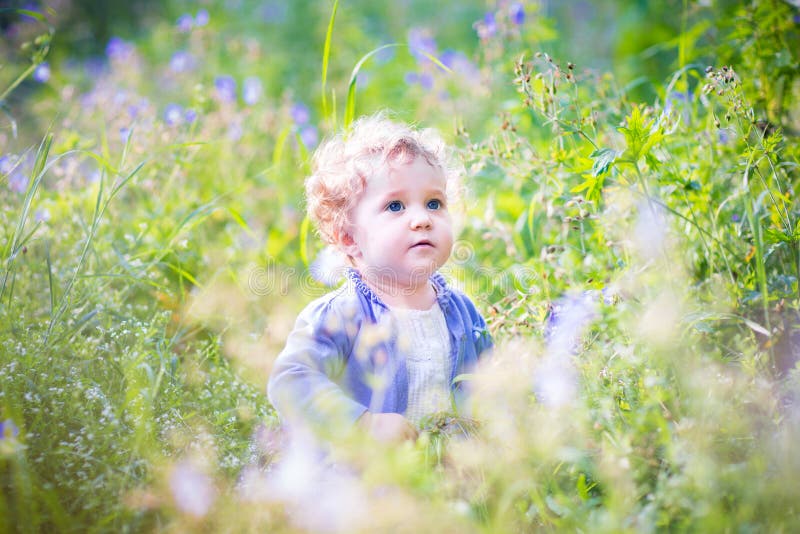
x: 437, y: 280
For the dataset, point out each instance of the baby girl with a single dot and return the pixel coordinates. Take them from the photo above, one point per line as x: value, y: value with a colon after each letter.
x: 384, y: 350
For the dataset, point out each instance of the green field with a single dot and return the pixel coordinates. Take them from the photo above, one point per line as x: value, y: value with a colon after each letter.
x: 630, y: 230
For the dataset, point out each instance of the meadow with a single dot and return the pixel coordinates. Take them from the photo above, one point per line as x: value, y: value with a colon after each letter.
x: 630, y: 229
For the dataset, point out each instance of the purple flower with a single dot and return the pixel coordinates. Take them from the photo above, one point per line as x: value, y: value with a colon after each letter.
x: 274, y: 11
x: 42, y: 215
x: 421, y: 43
x: 411, y: 78
x: 190, y: 116
x: 42, y: 72
x: 18, y: 182
x: 235, y: 131
x: 8, y: 429
x: 426, y: 81
x: 192, y: 489
x: 181, y: 61
x: 487, y: 27
x: 124, y: 134
x: 202, y: 18
x: 300, y: 113
x: 517, y: 13
x: 173, y: 114
x: 309, y: 136
x: 118, y: 49
x: 6, y: 164
x: 252, y: 91
x: 490, y: 23
x: 226, y: 88
x: 185, y: 23
x: 735, y: 217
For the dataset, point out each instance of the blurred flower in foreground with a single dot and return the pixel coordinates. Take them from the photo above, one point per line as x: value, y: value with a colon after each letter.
x: 6, y: 165
x: 18, y: 181
x: 421, y: 43
x: 192, y: 490
x: 649, y: 232
x: 566, y: 322
x: 42, y: 72
x: 185, y: 23
x: 225, y: 88
x: 42, y: 215
x: 118, y: 49
x: 173, y: 114
x: 487, y: 27
x: 252, y: 91
x: 202, y: 18
x: 328, y: 267
x: 556, y: 382
x: 8, y: 429
x: 517, y: 13
x: 310, y: 136
x: 300, y: 113
x: 319, y: 497
x: 190, y: 116
x: 181, y: 61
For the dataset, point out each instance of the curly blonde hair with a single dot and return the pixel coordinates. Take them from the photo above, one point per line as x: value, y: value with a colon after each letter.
x: 343, y: 165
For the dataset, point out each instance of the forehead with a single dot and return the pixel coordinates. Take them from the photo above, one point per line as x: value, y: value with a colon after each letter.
x: 411, y: 173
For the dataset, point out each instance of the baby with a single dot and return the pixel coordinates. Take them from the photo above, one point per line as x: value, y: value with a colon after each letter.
x: 382, y: 351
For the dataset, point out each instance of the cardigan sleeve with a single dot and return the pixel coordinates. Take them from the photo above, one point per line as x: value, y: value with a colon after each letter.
x: 303, y: 385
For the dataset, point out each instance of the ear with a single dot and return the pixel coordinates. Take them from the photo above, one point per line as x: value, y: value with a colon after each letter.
x: 347, y: 244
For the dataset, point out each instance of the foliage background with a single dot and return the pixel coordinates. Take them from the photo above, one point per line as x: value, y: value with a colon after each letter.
x: 631, y: 232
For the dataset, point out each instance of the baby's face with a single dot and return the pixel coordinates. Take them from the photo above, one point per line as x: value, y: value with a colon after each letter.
x: 401, y: 227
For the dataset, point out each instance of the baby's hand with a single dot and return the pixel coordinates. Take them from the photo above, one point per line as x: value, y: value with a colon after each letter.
x: 388, y: 427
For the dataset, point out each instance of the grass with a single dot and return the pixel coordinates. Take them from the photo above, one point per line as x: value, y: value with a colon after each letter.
x: 152, y: 269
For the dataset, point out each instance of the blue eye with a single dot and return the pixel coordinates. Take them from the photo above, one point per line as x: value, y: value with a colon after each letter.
x: 434, y: 204
x: 394, y: 205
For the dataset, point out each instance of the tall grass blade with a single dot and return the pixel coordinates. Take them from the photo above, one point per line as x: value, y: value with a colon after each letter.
x: 326, y: 52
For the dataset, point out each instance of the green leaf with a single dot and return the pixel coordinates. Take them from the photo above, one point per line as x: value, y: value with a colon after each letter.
x: 603, y: 160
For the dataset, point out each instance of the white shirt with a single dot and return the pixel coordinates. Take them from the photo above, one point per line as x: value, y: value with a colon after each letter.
x: 424, y: 339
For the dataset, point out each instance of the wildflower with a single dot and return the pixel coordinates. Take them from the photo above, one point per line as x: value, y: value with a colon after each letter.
x: 42, y: 215
x: 190, y: 116
x: 426, y: 81
x: 185, y: 23
x: 124, y: 134
x: 650, y: 230
x: 299, y: 113
x: 411, y: 78
x: 517, y: 13
x: 735, y: 217
x: 181, y: 61
x: 252, y: 91
x: 555, y: 383
x: 18, y: 182
x: 173, y: 114
x: 328, y: 267
x: 421, y: 43
x: 42, y: 72
x: 226, y: 88
x: 486, y: 28
x: 118, y: 49
x: 309, y: 136
x: 201, y: 19
x: 235, y: 131
x: 8, y: 429
x: 192, y: 489
x: 6, y: 164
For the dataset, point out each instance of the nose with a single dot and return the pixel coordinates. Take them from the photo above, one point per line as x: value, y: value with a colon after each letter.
x: 421, y: 220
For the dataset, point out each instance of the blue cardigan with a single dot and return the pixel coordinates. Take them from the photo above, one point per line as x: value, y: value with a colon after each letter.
x: 343, y: 356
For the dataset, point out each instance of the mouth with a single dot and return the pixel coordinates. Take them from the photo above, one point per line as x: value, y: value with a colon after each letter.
x: 422, y: 244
